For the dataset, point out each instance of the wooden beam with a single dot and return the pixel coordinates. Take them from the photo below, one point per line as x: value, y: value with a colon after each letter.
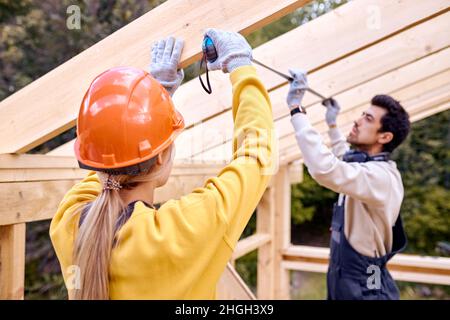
x: 418, y: 107
x: 292, y: 153
x: 282, y: 237
x: 403, y: 267
x: 232, y: 287
x: 12, y: 261
x: 38, y: 200
x: 349, y: 21
x: 35, y: 161
x: 50, y: 105
x: 372, y: 62
x: 296, y: 171
x: 32, y: 194
x: 65, y: 149
x: 250, y: 244
x: 265, y: 223
x: 389, y: 83
x: 428, y: 92
x: 381, y: 44
x: 37, y: 167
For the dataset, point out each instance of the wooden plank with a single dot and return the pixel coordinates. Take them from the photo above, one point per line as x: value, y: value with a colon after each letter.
x: 388, y: 83
x: 12, y: 261
x: 382, y: 54
x: 420, y: 277
x: 377, y: 60
x: 293, y: 153
x: 305, y: 266
x: 38, y: 200
x: 403, y: 267
x: 400, y: 261
x: 422, y: 94
x: 349, y: 22
x: 38, y: 174
x: 397, y: 275
x: 50, y: 105
x: 265, y: 220
x: 418, y: 107
x: 33, y: 161
x: 65, y: 149
x: 232, y: 287
x: 36, y: 167
x: 250, y: 244
x: 431, y: 111
x: 282, y: 237
x: 296, y: 171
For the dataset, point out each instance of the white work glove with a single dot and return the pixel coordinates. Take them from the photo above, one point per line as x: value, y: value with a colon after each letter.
x: 233, y: 50
x: 297, y: 87
x: 166, y: 56
x: 333, y: 109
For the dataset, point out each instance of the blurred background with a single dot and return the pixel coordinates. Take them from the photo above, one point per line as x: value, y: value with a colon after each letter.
x: 34, y: 39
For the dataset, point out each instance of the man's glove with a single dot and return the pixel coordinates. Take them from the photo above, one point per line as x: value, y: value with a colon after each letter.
x: 233, y: 50
x: 333, y: 109
x: 297, y: 87
x: 166, y: 56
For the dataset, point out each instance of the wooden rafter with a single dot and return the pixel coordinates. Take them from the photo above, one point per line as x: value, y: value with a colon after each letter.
x: 336, y: 79
x: 418, y: 104
x: 50, y: 105
x: 403, y: 267
x: 31, y: 186
x: 351, y: 59
x: 293, y: 153
x: 388, y: 83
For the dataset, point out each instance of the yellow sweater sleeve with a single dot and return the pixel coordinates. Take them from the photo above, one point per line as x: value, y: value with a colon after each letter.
x: 223, y: 207
x: 241, y: 184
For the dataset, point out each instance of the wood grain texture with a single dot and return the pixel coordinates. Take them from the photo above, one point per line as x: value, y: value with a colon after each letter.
x: 50, y: 104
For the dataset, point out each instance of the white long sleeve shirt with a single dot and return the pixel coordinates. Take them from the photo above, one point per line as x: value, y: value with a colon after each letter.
x: 374, y: 189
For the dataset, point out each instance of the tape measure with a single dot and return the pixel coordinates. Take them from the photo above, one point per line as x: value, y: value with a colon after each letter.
x: 210, y: 55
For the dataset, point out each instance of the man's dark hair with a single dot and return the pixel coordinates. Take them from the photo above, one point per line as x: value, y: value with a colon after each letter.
x: 396, y: 120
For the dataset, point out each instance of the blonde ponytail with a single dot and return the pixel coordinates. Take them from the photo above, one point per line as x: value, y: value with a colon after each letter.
x: 96, y: 236
x: 93, y: 245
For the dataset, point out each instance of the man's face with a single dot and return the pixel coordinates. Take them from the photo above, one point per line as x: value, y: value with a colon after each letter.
x: 365, y: 131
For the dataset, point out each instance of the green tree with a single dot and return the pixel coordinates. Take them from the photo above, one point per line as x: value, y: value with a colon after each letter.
x: 424, y: 162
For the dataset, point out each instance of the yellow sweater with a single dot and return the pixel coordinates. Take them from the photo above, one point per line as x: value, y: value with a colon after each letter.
x: 181, y: 250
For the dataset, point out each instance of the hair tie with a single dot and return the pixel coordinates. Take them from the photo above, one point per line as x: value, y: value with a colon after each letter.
x: 111, y: 184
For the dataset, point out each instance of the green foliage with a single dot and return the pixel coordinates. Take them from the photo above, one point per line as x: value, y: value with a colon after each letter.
x: 308, y: 286
x: 34, y: 38
x: 246, y: 266
x: 309, y: 199
x: 424, y: 162
x: 43, y: 279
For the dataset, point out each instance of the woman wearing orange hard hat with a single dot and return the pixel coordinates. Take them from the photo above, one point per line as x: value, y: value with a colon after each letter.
x: 112, y: 243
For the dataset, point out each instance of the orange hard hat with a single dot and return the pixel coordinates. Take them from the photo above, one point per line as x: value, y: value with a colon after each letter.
x: 126, y: 119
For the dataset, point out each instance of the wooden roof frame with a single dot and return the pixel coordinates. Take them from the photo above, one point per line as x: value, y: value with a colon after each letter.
x: 406, y: 55
x: 415, y: 34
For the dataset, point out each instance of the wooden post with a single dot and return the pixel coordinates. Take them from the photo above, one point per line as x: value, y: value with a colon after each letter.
x: 282, y: 236
x: 12, y: 261
x: 265, y: 217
